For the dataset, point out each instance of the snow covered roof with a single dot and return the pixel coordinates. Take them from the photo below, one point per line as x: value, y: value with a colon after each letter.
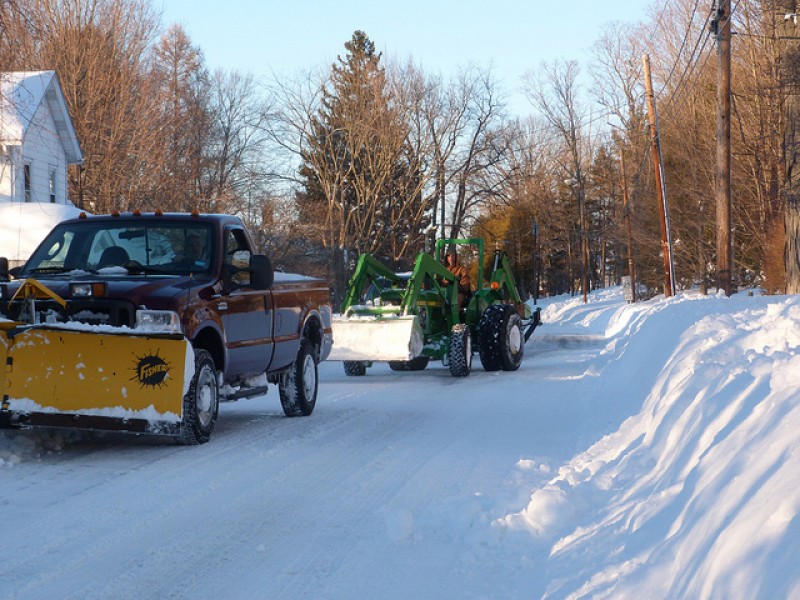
x: 21, y: 94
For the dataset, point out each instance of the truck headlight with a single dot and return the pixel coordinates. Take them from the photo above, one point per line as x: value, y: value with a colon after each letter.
x: 87, y: 290
x: 158, y: 320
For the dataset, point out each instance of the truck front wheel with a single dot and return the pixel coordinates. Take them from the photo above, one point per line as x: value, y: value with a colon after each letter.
x: 201, y: 402
x: 298, y: 386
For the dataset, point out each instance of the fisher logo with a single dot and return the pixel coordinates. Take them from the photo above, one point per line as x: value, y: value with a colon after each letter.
x: 150, y: 370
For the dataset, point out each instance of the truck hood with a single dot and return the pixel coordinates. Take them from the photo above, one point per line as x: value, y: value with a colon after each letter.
x: 154, y: 292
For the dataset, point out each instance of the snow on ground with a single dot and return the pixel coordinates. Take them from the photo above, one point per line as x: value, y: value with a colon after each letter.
x: 641, y: 451
x: 23, y: 225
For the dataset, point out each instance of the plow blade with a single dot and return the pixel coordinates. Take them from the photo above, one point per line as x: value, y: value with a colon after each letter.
x: 89, y: 379
x: 376, y: 338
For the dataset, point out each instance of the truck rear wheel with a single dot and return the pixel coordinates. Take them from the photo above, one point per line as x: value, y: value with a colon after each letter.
x: 298, y: 387
x: 501, y: 341
x: 201, y: 402
x: 460, y: 351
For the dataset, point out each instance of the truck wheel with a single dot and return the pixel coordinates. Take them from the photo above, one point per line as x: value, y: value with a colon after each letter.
x: 298, y: 387
x: 460, y: 351
x: 501, y: 341
x: 355, y: 368
x: 415, y: 364
x: 201, y: 402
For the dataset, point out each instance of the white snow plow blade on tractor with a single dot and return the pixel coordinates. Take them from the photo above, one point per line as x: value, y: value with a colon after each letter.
x: 368, y: 338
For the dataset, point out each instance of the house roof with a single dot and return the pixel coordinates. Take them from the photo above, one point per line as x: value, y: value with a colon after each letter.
x: 21, y: 94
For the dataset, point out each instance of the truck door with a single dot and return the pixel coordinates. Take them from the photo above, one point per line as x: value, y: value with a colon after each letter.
x: 246, y: 314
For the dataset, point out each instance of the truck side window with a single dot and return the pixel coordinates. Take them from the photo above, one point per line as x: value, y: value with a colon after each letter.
x: 237, y: 256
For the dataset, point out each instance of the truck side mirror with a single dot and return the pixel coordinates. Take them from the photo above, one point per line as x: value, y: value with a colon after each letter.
x: 4, y: 276
x: 261, y: 274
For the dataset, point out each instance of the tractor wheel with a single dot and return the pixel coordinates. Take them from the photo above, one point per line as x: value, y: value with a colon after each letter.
x: 298, y: 386
x: 201, y: 402
x: 415, y: 364
x: 501, y: 341
x: 354, y: 368
x: 460, y: 351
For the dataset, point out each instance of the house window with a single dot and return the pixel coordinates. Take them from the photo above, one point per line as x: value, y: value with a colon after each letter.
x: 52, y: 185
x: 27, y: 170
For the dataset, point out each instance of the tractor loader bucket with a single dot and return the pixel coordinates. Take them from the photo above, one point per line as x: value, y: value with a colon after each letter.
x: 93, y: 378
x: 368, y: 338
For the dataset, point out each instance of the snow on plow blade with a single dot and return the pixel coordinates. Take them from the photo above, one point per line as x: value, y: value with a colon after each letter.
x: 376, y: 338
x: 89, y: 379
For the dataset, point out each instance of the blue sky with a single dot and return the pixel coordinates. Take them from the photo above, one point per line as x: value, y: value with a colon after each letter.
x: 262, y: 36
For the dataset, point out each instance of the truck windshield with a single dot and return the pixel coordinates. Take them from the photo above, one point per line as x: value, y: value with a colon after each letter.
x: 124, y: 248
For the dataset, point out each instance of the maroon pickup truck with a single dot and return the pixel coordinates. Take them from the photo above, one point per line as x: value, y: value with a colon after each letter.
x: 198, y: 275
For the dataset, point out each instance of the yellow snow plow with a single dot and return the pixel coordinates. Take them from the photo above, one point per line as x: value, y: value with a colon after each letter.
x: 91, y: 376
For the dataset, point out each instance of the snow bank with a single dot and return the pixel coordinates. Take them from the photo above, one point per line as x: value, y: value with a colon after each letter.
x: 695, y: 496
x: 23, y: 225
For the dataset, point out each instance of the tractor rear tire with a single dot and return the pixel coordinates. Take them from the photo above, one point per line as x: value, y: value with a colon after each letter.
x: 354, y: 368
x: 501, y: 340
x: 298, y: 386
x: 201, y: 402
x: 415, y: 364
x: 460, y: 351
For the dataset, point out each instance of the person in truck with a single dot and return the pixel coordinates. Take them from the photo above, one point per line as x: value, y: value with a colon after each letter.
x: 193, y: 249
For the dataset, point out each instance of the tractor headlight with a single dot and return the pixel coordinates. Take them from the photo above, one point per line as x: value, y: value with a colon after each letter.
x: 158, y: 320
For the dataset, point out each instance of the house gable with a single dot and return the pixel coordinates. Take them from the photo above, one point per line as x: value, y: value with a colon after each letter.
x: 37, y: 138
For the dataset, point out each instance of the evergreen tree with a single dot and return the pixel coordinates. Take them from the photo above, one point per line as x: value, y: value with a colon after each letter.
x: 358, y: 168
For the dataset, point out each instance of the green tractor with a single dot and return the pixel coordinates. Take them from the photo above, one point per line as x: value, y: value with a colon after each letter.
x: 409, y: 319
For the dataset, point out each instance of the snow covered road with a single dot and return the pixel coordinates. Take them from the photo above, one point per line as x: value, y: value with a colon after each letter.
x: 389, y: 490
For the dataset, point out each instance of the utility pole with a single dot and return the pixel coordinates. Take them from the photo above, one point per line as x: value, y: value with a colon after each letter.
x: 790, y: 186
x: 626, y: 208
x: 722, y: 25
x: 661, y: 187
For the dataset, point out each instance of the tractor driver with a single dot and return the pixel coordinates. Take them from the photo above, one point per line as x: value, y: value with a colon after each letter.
x: 462, y: 277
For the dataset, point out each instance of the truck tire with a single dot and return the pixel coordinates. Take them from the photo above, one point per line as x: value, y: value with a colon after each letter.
x: 201, y: 402
x: 354, y: 368
x: 460, y: 351
x: 500, y: 338
x: 415, y: 364
x: 298, y: 386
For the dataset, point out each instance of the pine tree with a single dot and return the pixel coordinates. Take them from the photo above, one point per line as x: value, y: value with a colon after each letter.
x: 358, y: 168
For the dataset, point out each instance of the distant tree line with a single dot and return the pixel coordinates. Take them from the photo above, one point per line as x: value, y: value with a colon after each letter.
x: 370, y: 155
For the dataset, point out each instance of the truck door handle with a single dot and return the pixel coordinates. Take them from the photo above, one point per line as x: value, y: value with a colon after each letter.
x: 222, y: 306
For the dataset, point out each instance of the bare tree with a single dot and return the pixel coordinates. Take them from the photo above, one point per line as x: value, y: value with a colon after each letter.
x: 554, y: 93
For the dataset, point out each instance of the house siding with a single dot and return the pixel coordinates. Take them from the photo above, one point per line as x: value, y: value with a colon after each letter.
x: 43, y: 151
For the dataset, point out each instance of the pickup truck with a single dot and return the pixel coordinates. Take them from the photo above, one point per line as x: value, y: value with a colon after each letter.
x: 196, y: 276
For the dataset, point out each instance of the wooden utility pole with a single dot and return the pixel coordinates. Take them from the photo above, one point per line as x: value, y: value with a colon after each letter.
x: 790, y: 188
x: 626, y: 209
x: 661, y: 188
x: 723, y: 170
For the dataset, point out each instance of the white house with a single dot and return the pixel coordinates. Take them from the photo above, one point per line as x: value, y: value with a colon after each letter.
x: 37, y: 138
x: 37, y: 142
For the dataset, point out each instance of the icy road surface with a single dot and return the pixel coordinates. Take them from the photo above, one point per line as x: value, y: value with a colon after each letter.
x: 388, y: 490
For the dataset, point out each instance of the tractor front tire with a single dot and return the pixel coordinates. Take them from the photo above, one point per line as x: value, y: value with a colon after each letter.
x: 460, y: 351
x: 201, y: 402
x: 501, y: 340
x: 415, y: 364
x: 354, y: 368
x: 298, y: 386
